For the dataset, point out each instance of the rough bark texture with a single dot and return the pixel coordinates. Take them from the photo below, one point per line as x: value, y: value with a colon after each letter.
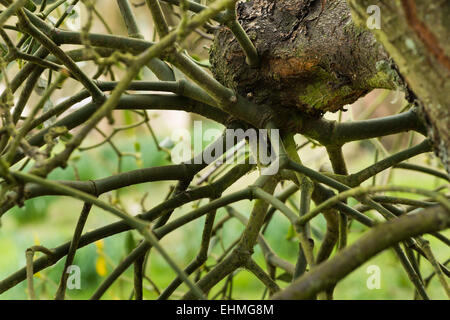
x: 416, y: 34
x: 313, y: 57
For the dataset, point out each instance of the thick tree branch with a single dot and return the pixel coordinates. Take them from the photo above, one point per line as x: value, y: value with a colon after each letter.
x: 379, y: 238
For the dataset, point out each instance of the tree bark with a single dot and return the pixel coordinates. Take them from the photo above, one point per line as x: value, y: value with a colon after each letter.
x: 312, y: 56
x: 415, y: 34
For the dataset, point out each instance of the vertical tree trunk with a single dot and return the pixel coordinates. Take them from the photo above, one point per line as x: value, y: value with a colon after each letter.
x: 415, y: 34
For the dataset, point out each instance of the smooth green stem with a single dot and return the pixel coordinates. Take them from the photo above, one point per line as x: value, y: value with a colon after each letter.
x: 196, y: 7
x: 26, y: 127
x: 425, y: 245
x: 63, y: 189
x: 305, y: 255
x: 61, y: 292
x: 159, y: 67
x: 12, y: 9
x: 158, y: 17
x: 363, y: 191
x: 46, y: 42
x: 293, y: 218
x: 241, y: 36
x: 363, y: 175
x: 130, y: 19
x: 339, y: 167
x: 430, y: 171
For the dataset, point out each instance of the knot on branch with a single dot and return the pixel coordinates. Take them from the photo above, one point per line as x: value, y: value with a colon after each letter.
x: 313, y: 58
